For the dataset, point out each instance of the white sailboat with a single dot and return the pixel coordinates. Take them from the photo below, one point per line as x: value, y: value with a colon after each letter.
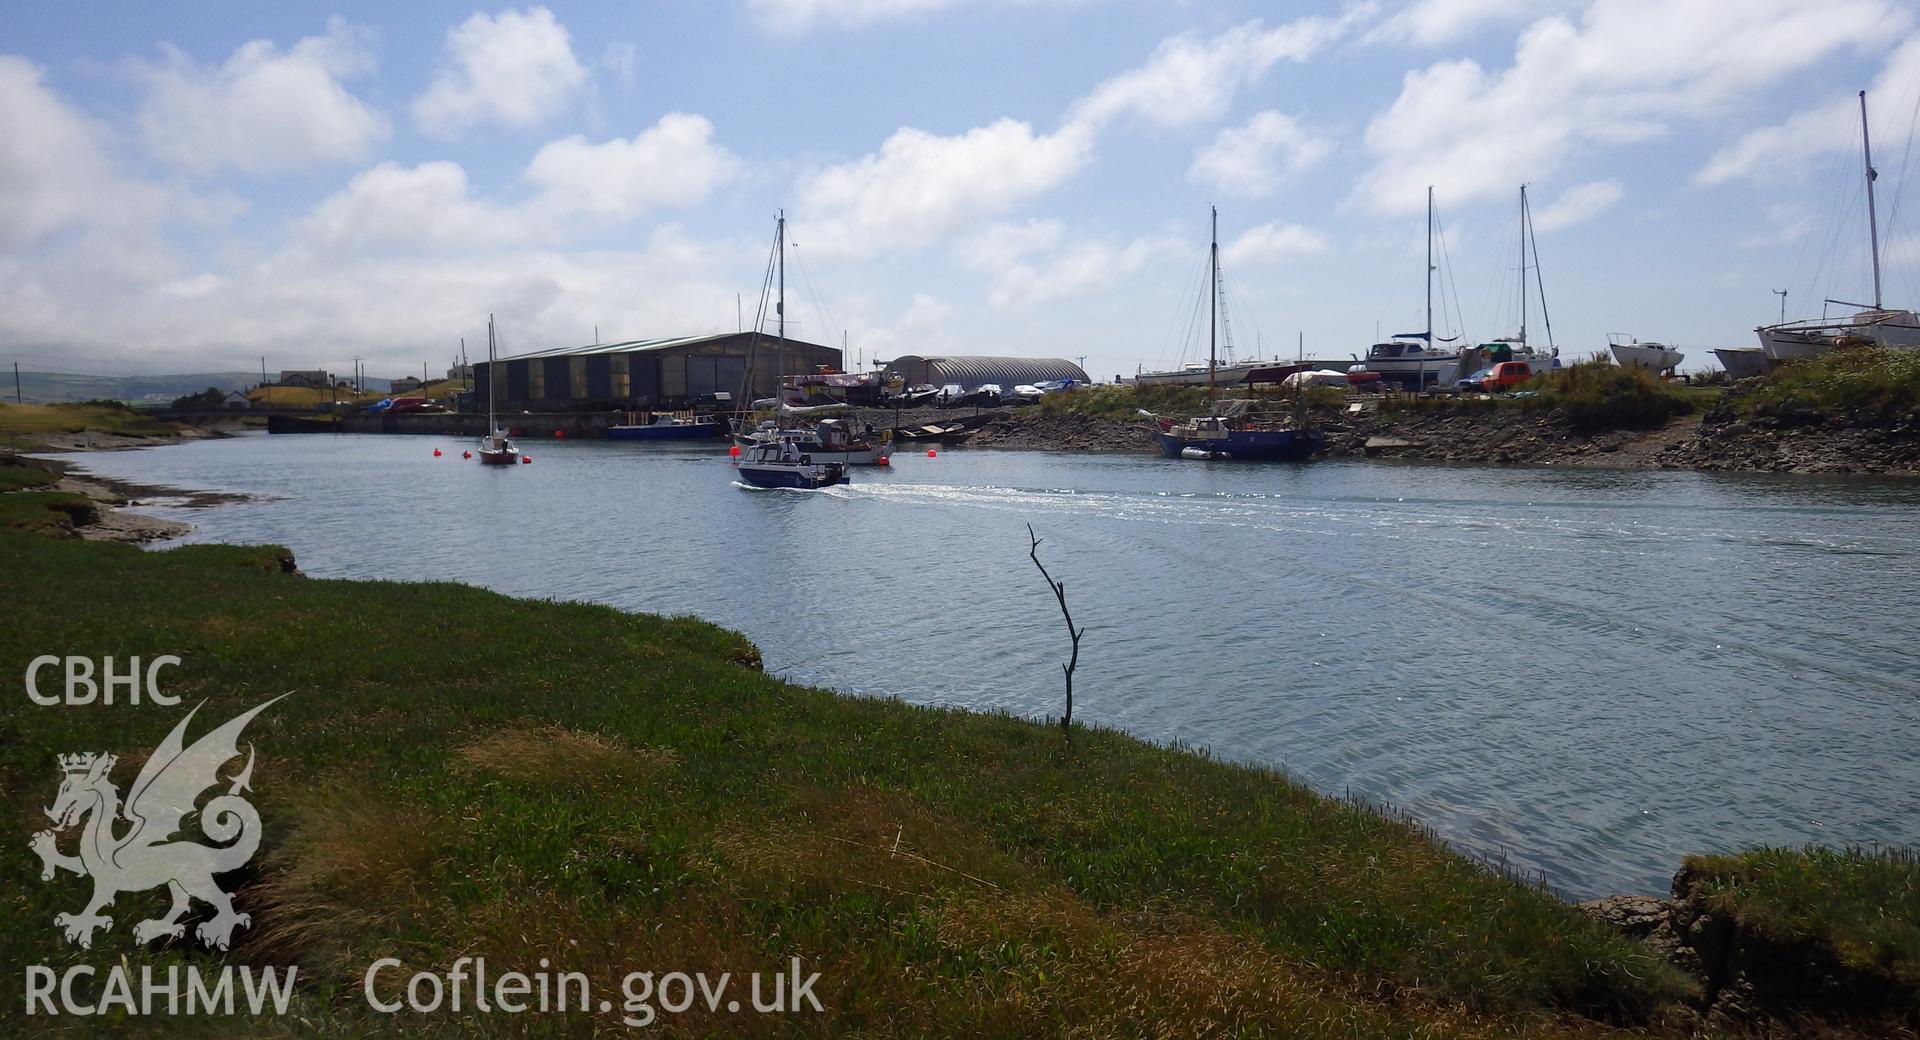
x: 1518, y: 347
x: 496, y: 448
x: 1413, y: 358
x: 1874, y: 324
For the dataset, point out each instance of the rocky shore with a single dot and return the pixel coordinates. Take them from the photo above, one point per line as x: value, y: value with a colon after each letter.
x: 1503, y: 434
x: 112, y: 518
x: 1748, y: 974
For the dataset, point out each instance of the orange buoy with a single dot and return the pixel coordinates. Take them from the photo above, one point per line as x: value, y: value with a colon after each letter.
x: 734, y: 451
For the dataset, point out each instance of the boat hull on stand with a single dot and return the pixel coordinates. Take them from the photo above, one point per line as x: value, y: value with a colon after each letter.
x: 1246, y: 446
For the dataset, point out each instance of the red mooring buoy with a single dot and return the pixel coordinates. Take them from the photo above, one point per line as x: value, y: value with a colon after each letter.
x: 526, y: 460
x: 930, y: 453
x: 466, y: 454
x: 734, y: 451
x: 436, y: 453
x: 559, y: 435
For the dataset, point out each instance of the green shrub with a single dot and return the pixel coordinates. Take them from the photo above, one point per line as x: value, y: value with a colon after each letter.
x: 1599, y: 395
x: 1851, y: 380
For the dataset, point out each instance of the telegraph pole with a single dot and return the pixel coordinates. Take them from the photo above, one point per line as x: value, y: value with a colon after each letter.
x: 16, y: 384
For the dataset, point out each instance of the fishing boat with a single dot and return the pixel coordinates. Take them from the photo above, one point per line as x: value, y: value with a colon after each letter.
x: 667, y: 426
x: 783, y: 462
x: 1873, y: 324
x: 1415, y: 358
x: 496, y: 448
x: 1634, y: 353
x: 1233, y: 433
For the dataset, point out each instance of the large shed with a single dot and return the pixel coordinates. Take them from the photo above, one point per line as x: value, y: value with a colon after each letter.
x: 645, y: 373
x: 973, y: 371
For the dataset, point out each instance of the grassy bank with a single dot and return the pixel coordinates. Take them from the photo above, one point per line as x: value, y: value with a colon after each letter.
x: 28, y: 421
x: 458, y: 772
x: 1600, y: 395
x: 1855, y: 383
x: 1862, y: 905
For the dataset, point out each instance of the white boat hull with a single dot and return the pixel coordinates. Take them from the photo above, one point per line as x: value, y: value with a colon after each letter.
x: 1225, y: 375
x: 1651, y: 357
x: 1744, y: 362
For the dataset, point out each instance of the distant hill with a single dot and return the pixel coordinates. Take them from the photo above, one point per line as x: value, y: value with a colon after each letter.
x: 54, y: 387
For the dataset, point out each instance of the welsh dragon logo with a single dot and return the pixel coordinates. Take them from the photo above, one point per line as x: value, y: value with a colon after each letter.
x: 144, y: 855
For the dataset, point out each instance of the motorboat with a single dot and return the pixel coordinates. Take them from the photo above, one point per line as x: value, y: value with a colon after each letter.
x: 781, y: 462
x: 829, y: 438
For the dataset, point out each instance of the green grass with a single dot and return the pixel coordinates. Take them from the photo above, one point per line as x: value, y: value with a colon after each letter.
x: 97, y: 416
x: 460, y: 771
x: 45, y: 511
x: 1856, y: 381
x: 1599, y: 395
x: 17, y: 477
x: 1864, y: 905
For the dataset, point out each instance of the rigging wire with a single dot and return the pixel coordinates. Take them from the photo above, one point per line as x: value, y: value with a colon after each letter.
x: 1539, y: 280
x: 1246, y: 308
x: 1446, y: 265
x: 1186, y: 293
x: 813, y: 292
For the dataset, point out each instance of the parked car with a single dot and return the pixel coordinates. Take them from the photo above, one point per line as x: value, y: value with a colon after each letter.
x: 1504, y: 376
x: 1472, y: 382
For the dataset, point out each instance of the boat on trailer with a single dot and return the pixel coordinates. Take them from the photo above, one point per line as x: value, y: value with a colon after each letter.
x: 1657, y: 358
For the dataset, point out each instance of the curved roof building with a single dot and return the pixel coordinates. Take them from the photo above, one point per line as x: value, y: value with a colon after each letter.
x: 972, y: 371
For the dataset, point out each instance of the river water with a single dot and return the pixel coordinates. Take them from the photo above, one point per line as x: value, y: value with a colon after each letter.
x: 1588, y: 673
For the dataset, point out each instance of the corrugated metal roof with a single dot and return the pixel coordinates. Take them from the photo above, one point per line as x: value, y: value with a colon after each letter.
x: 626, y: 347
x: 975, y: 370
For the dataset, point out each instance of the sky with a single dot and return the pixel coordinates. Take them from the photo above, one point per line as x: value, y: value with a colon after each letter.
x: 198, y: 187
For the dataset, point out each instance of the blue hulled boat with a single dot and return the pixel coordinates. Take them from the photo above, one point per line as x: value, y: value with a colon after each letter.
x: 683, y: 426
x: 1215, y: 437
x: 780, y: 463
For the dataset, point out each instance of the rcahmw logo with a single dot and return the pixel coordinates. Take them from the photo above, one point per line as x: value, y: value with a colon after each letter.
x: 131, y: 846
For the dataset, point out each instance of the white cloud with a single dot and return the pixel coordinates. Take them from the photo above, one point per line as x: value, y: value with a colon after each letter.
x: 1034, y: 262
x: 1790, y: 147
x: 1272, y: 243
x: 1191, y: 80
x: 675, y: 162
x: 1430, y: 23
x: 618, y: 58
x: 58, y: 174
x: 262, y: 109
x: 795, y: 16
x: 516, y: 68
x: 920, y: 186
x: 1623, y: 74
x: 422, y: 208
x: 1579, y: 204
x: 1253, y: 159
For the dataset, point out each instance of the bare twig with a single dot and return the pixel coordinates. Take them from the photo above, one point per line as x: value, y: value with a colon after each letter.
x: 915, y: 857
x: 1060, y: 593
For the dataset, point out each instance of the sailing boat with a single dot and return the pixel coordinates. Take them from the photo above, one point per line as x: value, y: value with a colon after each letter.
x: 496, y: 448
x: 773, y: 457
x: 837, y: 437
x: 1236, y: 437
x: 1412, y: 357
x: 1517, y: 347
x: 1873, y: 325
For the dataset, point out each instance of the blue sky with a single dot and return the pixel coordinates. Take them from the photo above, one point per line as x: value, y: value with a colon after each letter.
x: 193, y: 187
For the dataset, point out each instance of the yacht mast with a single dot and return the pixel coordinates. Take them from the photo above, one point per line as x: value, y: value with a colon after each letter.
x: 493, y: 377
x: 1422, y: 370
x: 780, y: 304
x: 1523, y: 267
x: 1213, y: 309
x: 1873, y: 222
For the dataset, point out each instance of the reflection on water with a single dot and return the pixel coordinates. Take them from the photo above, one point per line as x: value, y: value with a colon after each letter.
x: 1590, y: 672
